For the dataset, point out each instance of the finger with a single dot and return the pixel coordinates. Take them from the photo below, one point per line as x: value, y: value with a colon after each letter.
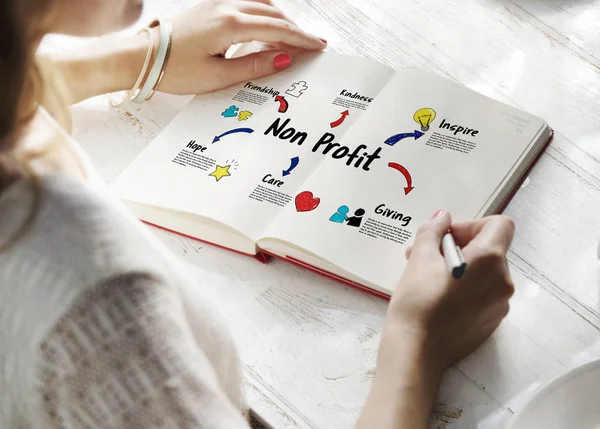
x: 269, y: 2
x: 261, y: 9
x: 429, y: 236
x: 277, y: 46
x: 252, y: 66
x: 490, y: 233
x: 252, y: 48
x: 464, y: 232
x: 408, y: 252
x: 272, y: 30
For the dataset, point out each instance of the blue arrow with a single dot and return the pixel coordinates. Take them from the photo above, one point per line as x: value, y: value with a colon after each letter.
x: 295, y: 160
x: 235, y: 130
x: 395, y: 139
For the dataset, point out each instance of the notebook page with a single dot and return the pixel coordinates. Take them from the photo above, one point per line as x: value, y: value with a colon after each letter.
x: 438, y: 145
x: 238, y: 155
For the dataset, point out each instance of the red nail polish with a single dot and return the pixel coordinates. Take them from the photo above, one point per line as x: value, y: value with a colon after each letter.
x: 282, y: 61
x: 438, y: 213
x: 323, y: 40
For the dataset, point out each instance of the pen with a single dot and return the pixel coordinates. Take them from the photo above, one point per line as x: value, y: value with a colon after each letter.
x: 454, y: 257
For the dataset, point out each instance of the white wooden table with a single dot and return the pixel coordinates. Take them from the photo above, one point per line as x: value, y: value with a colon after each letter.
x: 309, y: 344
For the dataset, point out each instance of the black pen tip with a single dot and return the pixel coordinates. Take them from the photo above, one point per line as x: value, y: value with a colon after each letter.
x: 458, y: 272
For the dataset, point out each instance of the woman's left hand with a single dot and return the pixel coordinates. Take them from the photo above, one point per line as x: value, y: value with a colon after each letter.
x: 196, y: 65
x: 202, y: 35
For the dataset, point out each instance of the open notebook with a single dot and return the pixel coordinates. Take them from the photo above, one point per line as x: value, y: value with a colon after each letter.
x: 332, y: 164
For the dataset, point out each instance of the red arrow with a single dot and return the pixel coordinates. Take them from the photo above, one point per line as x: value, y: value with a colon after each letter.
x: 406, y: 174
x: 283, y: 104
x: 339, y: 121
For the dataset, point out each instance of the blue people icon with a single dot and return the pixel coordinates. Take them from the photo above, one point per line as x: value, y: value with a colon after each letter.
x: 340, y: 215
x: 356, y: 220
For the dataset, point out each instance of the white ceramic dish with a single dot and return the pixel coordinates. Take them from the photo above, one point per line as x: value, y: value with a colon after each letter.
x: 572, y: 401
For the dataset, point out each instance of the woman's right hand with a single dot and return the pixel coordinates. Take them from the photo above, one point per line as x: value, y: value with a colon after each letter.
x: 434, y: 321
x: 451, y: 318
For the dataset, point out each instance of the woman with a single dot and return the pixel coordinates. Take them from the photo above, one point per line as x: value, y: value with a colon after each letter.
x: 100, y: 327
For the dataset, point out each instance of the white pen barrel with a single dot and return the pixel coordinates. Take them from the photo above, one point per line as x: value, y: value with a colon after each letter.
x: 453, y: 259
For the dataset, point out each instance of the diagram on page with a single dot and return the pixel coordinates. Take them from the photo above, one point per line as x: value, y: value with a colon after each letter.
x: 297, y: 89
x: 234, y: 112
x: 424, y: 117
x: 241, y: 155
x: 342, y: 216
x: 411, y: 153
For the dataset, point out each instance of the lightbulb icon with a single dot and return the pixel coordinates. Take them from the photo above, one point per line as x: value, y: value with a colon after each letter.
x: 424, y: 117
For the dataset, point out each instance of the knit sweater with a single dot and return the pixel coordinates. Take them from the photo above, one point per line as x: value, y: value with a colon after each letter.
x: 100, y: 325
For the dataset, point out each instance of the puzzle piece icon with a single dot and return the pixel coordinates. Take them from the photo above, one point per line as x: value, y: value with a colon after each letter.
x: 297, y: 89
x: 230, y: 112
x: 244, y: 115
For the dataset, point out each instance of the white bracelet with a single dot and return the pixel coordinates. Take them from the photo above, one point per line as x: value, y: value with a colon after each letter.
x: 161, y: 55
x: 162, y: 71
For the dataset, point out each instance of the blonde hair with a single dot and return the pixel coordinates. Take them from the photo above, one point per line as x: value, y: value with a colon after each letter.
x: 26, y: 84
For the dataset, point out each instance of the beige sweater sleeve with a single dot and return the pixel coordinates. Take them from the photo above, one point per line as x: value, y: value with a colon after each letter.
x: 101, y: 327
x: 123, y: 357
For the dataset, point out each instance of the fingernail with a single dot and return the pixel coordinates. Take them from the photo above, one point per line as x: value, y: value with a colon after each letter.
x: 323, y: 40
x: 282, y: 61
x: 438, y: 213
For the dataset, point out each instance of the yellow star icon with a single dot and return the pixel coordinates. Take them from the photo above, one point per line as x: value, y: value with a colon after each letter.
x: 220, y: 172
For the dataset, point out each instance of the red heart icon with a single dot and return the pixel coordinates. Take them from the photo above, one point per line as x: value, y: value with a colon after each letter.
x: 305, y: 201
